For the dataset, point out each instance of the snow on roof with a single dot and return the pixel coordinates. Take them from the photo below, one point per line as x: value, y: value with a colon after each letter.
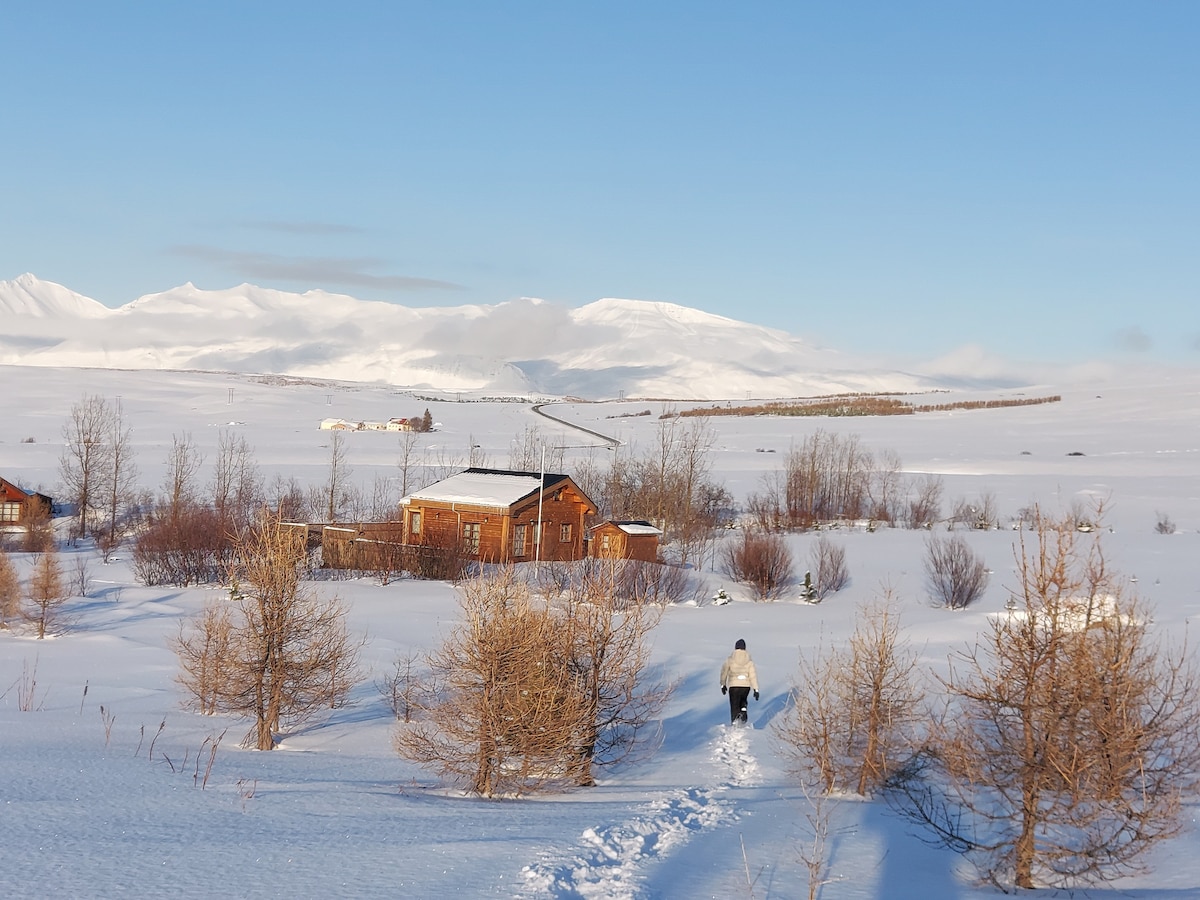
x: 638, y: 527
x: 483, y: 487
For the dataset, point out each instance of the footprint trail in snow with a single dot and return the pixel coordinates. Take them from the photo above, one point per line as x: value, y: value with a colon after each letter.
x: 607, y: 861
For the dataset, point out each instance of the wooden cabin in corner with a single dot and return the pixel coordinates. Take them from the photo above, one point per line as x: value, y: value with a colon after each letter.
x: 18, y: 508
x: 494, y: 513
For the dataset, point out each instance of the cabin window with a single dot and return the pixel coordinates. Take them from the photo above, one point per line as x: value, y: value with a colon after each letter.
x: 605, y: 542
x: 10, y: 512
x: 564, y: 533
x: 519, y: 537
x: 415, y: 523
x: 471, y: 536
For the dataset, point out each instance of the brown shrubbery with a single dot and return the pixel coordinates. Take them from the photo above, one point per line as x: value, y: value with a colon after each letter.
x: 528, y: 693
x: 760, y: 560
x: 669, y: 485
x: 827, y: 478
x: 856, y: 712
x: 828, y: 567
x: 955, y: 575
x: 185, y: 545
x: 1071, y: 735
x: 10, y: 592
x: 47, y: 594
x: 859, y: 405
x: 273, y: 651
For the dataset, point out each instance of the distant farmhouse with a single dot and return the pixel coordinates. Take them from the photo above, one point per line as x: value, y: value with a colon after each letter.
x: 389, y: 425
x: 493, y: 515
x: 399, y: 423
x: 19, y: 509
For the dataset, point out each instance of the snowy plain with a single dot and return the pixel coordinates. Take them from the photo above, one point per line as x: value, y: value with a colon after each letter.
x: 336, y: 813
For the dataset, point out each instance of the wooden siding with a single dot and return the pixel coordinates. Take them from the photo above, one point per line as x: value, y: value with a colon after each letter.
x: 610, y: 541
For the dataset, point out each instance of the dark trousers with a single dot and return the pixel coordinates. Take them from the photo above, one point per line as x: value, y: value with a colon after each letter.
x: 738, y: 696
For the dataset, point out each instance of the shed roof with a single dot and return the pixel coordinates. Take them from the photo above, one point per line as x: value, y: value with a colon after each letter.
x: 635, y: 526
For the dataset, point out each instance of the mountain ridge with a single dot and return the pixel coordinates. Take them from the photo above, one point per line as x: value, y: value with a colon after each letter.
x: 606, y: 348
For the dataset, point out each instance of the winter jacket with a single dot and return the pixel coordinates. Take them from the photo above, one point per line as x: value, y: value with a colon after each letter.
x: 738, y: 671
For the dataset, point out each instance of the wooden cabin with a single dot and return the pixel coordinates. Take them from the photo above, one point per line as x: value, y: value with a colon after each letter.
x: 494, y: 515
x: 625, y: 539
x: 18, y: 508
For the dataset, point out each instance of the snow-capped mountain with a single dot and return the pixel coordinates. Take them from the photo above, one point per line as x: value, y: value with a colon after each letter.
x: 604, y: 349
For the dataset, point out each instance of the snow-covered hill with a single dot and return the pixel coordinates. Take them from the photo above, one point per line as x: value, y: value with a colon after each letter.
x: 604, y: 349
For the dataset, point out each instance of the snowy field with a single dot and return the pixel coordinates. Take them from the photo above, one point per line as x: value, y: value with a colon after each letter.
x: 87, y: 811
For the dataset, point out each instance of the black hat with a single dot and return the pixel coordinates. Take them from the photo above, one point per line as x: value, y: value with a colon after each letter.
x: 740, y: 645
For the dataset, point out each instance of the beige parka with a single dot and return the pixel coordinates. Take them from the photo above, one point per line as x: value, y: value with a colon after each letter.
x: 738, y: 671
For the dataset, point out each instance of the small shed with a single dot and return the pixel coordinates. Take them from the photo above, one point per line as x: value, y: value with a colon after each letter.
x: 19, y: 509
x: 626, y: 539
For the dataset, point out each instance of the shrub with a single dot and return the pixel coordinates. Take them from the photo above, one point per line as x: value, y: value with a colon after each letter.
x: 829, y: 566
x: 761, y: 561
x: 182, y: 546
x: 10, y: 591
x: 955, y: 575
x: 856, y: 711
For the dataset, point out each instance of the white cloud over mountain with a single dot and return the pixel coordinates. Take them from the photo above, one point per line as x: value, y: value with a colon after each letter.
x: 604, y: 349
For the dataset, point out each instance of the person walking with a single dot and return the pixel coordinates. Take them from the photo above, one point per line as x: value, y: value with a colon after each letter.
x: 738, y: 679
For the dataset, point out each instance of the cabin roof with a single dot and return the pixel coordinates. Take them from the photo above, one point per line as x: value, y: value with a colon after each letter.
x: 485, y: 487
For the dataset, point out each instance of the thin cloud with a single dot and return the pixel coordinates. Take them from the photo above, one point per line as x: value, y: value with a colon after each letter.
x: 1134, y: 340
x: 317, y: 228
x: 324, y: 270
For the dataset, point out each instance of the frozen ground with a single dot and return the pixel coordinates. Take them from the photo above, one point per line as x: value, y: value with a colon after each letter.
x: 89, y: 812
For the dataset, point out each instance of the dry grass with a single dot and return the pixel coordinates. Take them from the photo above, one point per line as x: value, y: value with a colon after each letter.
x: 858, y: 405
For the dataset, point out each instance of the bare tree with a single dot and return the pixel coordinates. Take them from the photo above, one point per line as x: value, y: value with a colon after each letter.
x: 10, y: 591
x: 383, y: 503
x: 828, y: 561
x: 604, y: 632
x: 697, y: 498
x: 498, y: 709
x: 47, y: 594
x: 886, y: 487
x: 401, y: 687
x: 978, y: 513
x: 527, y: 449
x: 476, y: 455
x: 287, y: 499
x: 760, y: 560
x: 120, y: 481
x: 925, y: 503
x: 856, y: 711
x: 184, y: 460
x: 207, y: 655
x: 527, y: 695
x: 237, y: 485
x: 336, y: 490
x: 1072, y: 735
x: 289, y: 653
x: 954, y: 574
x: 188, y: 545
x: 39, y: 530
x: 84, y: 463
x: 407, y: 461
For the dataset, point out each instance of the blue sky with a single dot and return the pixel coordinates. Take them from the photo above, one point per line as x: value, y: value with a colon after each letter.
x: 877, y: 177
